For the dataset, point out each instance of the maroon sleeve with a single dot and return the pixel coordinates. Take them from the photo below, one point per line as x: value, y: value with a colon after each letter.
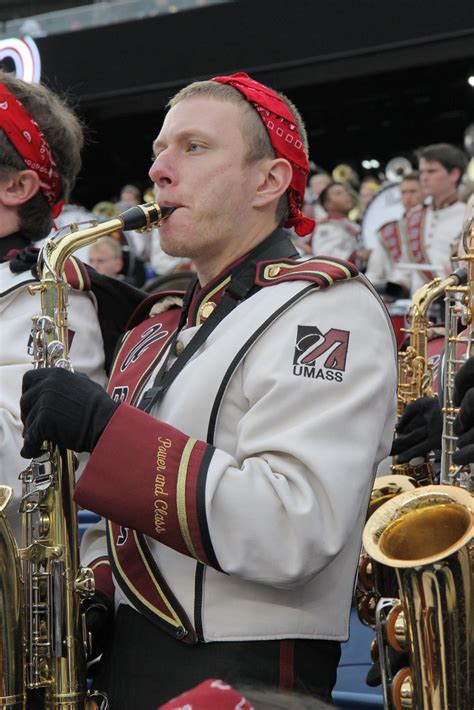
x: 146, y: 475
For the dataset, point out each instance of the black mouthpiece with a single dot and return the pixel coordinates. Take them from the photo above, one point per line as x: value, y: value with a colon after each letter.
x: 166, y: 211
x: 145, y: 216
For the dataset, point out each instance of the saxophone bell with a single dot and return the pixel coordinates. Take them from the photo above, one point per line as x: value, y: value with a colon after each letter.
x: 426, y: 536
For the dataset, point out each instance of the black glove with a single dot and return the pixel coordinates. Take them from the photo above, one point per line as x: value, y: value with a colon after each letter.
x: 463, y: 381
x: 463, y: 396
x: 99, y: 613
x: 464, y: 430
x: 419, y: 429
x: 396, y: 661
x: 25, y: 261
x: 63, y: 407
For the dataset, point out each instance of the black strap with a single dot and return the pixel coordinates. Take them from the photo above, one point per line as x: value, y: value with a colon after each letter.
x: 242, y: 285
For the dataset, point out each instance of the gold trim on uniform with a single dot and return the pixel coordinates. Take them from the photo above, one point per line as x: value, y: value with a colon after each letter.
x: 181, y: 496
x: 205, y: 310
x: 173, y: 619
x: 273, y: 271
x: 207, y: 299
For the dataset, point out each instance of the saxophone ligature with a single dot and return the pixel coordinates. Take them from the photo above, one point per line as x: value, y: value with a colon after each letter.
x: 44, y: 642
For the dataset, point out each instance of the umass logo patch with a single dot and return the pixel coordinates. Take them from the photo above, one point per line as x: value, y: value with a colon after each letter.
x: 320, y: 356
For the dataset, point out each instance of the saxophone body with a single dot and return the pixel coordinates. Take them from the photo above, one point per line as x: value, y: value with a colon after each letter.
x: 44, y: 639
x: 415, y: 380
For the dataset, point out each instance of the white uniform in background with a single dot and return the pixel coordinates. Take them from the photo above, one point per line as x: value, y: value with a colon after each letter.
x: 17, y: 307
x: 431, y: 235
x: 337, y: 237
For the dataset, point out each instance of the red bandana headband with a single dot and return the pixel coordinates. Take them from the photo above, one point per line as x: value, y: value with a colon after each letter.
x: 28, y: 139
x: 210, y: 695
x: 285, y: 139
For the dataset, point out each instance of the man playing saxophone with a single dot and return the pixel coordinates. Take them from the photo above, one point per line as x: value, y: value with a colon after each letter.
x: 237, y: 513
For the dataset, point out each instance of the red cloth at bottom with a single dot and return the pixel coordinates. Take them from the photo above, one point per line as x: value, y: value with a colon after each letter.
x: 212, y: 694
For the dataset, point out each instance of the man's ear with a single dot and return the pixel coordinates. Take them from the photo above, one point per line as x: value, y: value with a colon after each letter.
x: 19, y: 187
x: 275, y: 178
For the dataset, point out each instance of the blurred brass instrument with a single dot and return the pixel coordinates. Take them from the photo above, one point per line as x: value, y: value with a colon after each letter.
x: 397, y: 168
x: 459, y: 346
x: 344, y: 174
x: 43, y: 640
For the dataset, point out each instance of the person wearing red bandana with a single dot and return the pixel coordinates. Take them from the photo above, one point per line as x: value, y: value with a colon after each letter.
x: 233, y: 459
x: 432, y: 231
x: 40, y: 156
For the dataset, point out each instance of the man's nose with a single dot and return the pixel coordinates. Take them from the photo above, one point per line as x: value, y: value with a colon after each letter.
x: 161, y: 172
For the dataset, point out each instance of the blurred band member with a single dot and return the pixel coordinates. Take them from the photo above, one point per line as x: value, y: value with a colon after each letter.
x: 105, y: 256
x: 433, y: 228
x: 390, y: 243
x: 337, y: 236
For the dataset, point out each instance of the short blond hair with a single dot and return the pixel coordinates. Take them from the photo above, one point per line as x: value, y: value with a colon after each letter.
x: 254, y: 131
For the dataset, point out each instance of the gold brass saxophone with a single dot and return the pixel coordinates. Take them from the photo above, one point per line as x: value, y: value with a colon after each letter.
x: 459, y: 346
x: 415, y: 372
x: 43, y: 638
x: 427, y: 537
x: 415, y: 380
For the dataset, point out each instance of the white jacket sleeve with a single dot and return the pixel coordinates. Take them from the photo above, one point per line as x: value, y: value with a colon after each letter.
x: 310, y: 442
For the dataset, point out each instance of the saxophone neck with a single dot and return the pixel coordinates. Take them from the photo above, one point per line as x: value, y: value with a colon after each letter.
x: 61, y: 246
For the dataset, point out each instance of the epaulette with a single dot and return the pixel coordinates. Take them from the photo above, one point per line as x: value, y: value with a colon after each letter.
x: 76, y: 275
x: 323, y: 270
x: 146, y: 306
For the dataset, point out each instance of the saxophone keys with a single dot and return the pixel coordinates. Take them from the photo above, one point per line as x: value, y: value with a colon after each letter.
x: 402, y: 690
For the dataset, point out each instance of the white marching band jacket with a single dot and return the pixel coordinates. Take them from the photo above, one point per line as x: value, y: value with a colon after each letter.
x: 238, y: 507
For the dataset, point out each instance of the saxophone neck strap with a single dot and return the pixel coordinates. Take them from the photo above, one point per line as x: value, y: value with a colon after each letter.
x: 242, y: 285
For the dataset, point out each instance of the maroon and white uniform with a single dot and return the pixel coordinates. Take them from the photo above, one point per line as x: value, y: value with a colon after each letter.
x: 238, y: 507
x: 430, y: 236
x: 387, y: 252
x: 338, y: 236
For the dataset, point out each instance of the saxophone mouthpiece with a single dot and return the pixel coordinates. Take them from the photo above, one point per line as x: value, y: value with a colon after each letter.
x: 144, y: 217
x: 166, y: 212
